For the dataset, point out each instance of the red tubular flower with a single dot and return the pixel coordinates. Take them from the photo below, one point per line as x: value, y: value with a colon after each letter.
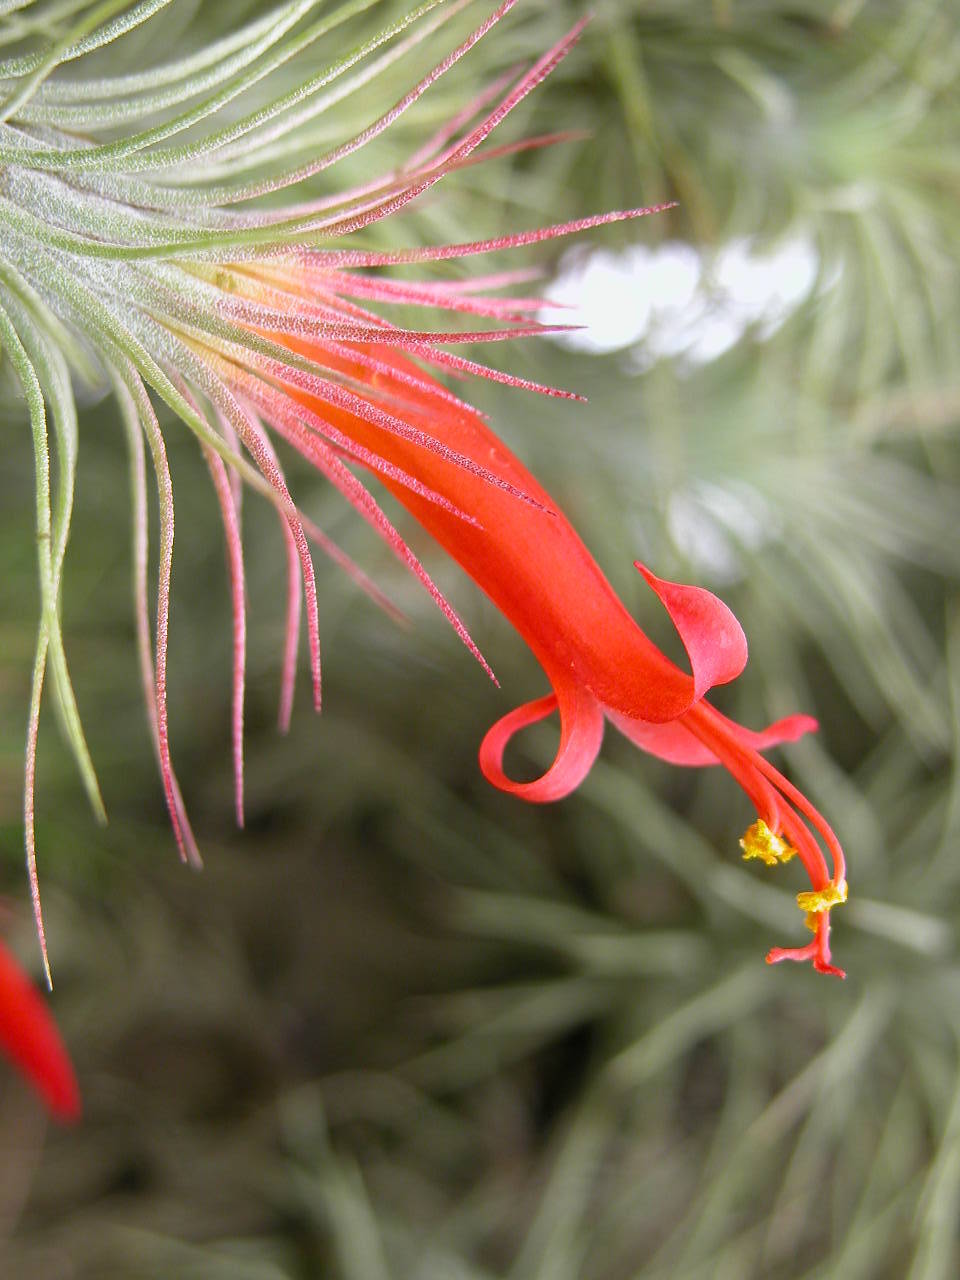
x: 490, y: 514
x: 29, y: 1038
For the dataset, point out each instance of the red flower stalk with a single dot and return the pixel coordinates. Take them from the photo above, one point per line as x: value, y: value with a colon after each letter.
x: 29, y: 1038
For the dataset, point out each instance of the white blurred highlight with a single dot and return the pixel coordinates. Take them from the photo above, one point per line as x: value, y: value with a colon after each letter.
x: 675, y: 301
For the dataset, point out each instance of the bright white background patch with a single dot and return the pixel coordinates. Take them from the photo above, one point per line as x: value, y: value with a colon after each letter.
x: 673, y: 301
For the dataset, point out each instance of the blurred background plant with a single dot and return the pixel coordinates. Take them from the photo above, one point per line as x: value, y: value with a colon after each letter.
x: 405, y: 1026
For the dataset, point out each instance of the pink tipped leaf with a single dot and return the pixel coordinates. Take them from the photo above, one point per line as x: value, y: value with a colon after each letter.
x: 234, y: 546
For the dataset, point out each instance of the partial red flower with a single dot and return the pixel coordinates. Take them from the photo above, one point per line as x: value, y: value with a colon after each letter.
x: 445, y: 465
x: 29, y: 1038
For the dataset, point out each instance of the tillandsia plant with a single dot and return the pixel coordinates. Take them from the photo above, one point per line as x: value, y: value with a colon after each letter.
x: 144, y: 248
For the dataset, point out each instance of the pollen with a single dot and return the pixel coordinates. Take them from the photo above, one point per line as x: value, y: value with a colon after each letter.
x: 760, y: 842
x: 815, y: 901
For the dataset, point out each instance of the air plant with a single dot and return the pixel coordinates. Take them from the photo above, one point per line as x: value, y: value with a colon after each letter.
x: 143, y: 250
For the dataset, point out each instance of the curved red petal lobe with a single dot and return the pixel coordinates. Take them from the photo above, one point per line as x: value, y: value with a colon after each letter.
x: 711, y: 635
x: 581, y: 733
x: 29, y: 1038
x: 789, y: 729
x: 674, y: 743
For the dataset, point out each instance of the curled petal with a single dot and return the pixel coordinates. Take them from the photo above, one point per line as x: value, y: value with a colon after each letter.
x: 581, y: 733
x: 711, y: 635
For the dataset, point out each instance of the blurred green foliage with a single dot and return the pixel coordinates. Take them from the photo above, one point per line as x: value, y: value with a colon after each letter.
x: 404, y: 1026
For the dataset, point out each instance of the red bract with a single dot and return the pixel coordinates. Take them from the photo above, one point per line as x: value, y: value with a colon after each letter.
x: 29, y: 1038
x: 444, y: 464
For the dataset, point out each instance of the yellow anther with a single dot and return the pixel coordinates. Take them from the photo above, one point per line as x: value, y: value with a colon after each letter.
x: 760, y: 842
x: 816, y: 901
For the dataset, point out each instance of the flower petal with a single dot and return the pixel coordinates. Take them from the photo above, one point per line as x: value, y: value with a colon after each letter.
x: 711, y: 635
x: 581, y: 733
x: 672, y: 741
x: 675, y: 743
